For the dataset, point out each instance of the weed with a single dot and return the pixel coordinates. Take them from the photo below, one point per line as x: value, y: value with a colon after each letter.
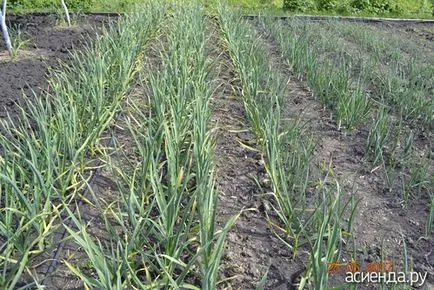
x: 19, y: 42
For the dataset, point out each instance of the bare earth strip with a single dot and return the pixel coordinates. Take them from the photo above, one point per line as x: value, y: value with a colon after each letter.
x: 251, y: 247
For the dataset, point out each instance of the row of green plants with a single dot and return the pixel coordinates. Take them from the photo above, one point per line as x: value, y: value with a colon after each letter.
x: 45, y: 152
x: 401, y: 72
x: 387, y: 73
x: 365, y: 77
x: 391, y: 94
x: 403, y: 82
x: 162, y: 228
x: 336, y: 77
x: 372, y: 7
x: 24, y: 6
x: 304, y: 221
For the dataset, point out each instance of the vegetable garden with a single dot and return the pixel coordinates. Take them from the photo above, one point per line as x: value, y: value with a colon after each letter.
x: 177, y: 147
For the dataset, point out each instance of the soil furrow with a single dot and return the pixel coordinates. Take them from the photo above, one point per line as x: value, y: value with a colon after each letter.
x: 251, y: 247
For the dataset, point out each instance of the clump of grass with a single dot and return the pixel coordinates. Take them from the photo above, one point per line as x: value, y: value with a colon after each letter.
x: 324, y: 251
x: 379, y: 136
x: 19, y: 42
x: 415, y: 178
x: 353, y: 108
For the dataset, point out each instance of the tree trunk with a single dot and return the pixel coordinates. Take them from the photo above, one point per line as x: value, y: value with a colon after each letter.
x: 4, y: 28
x: 66, y: 12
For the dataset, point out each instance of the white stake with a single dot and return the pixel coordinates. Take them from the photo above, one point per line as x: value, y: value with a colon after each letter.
x: 66, y: 12
x: 5, y: 28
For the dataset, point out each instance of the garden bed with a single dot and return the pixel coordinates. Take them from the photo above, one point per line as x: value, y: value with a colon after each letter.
x: 274, y: 160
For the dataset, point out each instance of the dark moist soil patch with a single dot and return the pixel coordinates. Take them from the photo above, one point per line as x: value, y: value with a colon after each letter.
x: 424, y: 31
x: 47, y: 44
x: 252, y: 251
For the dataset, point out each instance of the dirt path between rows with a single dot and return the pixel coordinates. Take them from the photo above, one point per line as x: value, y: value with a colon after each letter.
x: 251, y: 246
x: 381, y: 224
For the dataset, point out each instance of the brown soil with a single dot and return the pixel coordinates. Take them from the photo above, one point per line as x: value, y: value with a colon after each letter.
x: 47, y: 43
x: 425, y: 31
x: 421, y: 34
x: 252, y: 250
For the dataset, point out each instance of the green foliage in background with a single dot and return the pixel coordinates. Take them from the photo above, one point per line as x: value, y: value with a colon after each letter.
x: 377, y: 6
x: 47, y: 4
x: 74, y: 5
x: 392, y: 8
x: 361, y: 7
